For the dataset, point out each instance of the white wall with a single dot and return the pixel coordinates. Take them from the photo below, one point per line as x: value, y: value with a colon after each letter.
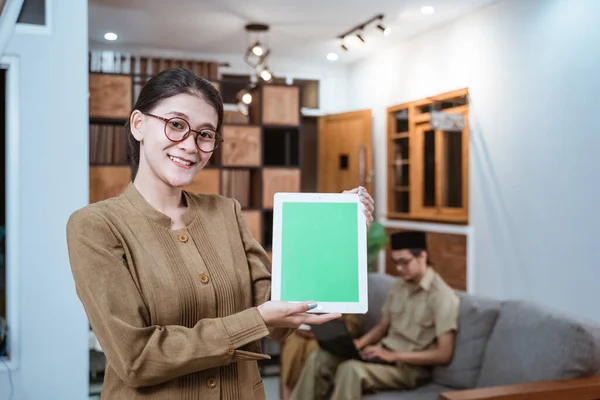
x: 53, y: 362
x: 532, y: 70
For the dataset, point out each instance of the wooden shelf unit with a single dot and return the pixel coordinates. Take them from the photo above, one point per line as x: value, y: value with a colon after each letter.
x: 260, y: 154
x: 428, y: 168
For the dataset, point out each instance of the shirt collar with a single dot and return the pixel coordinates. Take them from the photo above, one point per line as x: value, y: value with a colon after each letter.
x: 427, y: 279
x: 140, y: 203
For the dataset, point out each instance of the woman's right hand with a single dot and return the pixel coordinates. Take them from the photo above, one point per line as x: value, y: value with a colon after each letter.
x: 281, y: 314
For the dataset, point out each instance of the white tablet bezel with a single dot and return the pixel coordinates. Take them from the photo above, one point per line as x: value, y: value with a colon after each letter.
x: 360, y: 307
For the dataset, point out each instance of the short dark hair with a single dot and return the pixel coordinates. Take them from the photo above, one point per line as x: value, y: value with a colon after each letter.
x: 165, y: 84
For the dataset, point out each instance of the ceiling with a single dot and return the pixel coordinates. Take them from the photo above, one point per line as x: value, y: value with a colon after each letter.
x: 300, y: 29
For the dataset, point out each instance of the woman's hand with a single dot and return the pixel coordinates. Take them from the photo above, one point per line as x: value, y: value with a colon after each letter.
x: 281, y: 314
x: 367, y: 200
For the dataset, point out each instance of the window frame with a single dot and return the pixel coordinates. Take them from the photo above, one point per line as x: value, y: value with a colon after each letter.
x: 13, y: 212
x: 33, y: 29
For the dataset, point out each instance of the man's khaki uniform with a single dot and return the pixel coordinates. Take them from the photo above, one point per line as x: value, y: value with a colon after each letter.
x: 418, y: 314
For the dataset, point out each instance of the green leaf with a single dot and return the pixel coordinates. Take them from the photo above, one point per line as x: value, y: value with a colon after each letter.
x: 376, y: 241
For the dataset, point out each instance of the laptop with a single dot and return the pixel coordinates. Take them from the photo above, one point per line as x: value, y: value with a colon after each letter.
x: 334, y: 337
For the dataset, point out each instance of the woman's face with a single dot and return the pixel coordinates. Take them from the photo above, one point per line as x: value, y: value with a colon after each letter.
x: 173, y: 163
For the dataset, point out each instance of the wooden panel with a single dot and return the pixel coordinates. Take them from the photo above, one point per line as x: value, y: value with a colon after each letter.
x: 205, y: 182
x: 235, y: 117
x: 237, y: 183
x: 253, y: 219
x: 279, y: 180
x: 281, y: 105
x: 447, y: 251
x: 587, y: 388
x: 107, y: 182
x: 110, y: 96
x: 241, y: 146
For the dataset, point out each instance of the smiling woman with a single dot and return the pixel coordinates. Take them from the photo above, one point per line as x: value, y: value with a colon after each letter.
x: 175, y: 286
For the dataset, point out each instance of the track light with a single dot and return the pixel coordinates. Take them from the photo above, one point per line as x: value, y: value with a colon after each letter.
x: 384, y: 31
x: 358, y: 31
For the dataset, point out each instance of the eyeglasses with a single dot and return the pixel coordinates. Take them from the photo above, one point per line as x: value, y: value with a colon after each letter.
x: 402, y: 262
x: 178, y: 129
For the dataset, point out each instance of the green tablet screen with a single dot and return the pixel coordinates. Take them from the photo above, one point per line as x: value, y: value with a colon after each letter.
x: 319, y: 252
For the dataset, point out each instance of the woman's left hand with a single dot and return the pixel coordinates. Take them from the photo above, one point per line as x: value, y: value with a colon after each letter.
x: 367, y: 200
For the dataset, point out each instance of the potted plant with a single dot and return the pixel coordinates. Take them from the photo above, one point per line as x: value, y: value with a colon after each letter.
x: 376, y: 241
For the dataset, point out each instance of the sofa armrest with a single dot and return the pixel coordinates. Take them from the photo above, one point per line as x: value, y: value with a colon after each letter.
x: 573, y: 389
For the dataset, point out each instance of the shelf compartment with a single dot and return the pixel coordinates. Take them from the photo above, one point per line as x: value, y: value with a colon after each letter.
x: 107, y: 144
x: 242, y: 185
x: 281, y: 147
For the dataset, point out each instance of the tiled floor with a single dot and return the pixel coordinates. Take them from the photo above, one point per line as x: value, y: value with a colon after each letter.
x: 271, y: 388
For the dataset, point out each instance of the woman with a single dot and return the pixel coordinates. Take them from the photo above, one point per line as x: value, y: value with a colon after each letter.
x: 175, y: 287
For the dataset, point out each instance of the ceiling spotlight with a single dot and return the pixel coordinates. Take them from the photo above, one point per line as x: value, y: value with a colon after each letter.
x: 332, y: 56
x: 384, y: 31
x: 110, y: 36
x: 427, y: 10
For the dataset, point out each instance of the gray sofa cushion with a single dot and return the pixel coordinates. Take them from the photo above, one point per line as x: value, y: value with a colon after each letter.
x: 532, y: 343
x: 379, y: 286
x: 476, y: 321
x: 427, y: 392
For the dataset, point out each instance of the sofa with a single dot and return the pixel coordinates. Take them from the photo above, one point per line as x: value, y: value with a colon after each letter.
x: 506, y: 350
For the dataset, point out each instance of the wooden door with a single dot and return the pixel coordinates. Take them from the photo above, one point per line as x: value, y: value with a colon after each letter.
x: 345, y: 152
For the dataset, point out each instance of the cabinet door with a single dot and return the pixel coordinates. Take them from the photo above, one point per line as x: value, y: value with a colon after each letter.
x: 454, y: 172
x: 424, y: 176
x: 279, y: 180
x: 281, y: 105
x: 241, y: 146
x: 440, y: 179
x: 110, y: 96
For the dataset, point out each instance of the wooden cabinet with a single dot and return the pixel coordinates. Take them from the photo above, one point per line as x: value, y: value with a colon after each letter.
x: 428, y: 153
x: 110, y: 96
x: 241, y: 146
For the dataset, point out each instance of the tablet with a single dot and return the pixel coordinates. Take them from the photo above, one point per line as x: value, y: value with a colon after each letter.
x: 320, y: 251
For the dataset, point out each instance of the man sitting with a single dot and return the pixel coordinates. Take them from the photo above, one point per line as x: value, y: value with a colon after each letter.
x: 416, y: 331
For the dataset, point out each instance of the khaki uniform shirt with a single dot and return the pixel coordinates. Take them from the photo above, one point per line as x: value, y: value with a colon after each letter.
x: 419, y: 313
